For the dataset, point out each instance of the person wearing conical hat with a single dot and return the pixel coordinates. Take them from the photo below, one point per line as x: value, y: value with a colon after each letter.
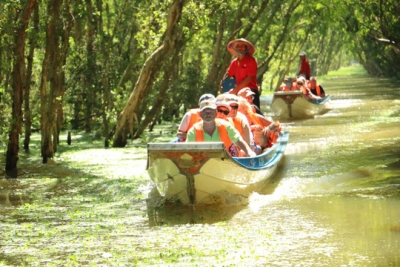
x: 243, y: 67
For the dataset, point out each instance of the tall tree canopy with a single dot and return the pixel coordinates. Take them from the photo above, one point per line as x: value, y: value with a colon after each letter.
x: 116, y: 67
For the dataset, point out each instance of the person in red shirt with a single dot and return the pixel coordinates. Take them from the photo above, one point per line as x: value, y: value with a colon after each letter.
x: 304, y: 67
x: 243, y: 67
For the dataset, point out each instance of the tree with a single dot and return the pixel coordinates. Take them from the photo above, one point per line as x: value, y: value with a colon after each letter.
x: 18, y: 87
x: 28, y: 77
x: 52, y: 79
x: 148, y: 73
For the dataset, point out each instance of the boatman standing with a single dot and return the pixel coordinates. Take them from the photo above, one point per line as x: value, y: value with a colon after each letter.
x: 243, y: 67
x: 305, y: 69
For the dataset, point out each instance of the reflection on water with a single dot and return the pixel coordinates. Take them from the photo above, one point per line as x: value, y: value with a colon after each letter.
x: 336, y: 199
x: 321, y: 229
x: 9, y: 196
x: 342, y: 175
x: 170, y: 215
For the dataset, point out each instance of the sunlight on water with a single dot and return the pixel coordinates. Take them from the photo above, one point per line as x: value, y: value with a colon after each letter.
x: 309, y: 215
x: 334, y: 201
x: 332, y: 198
x: 345, y: 103
x: 303, y: 147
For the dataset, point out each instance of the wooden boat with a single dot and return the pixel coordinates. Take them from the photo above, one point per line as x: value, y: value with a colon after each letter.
x: 194, y: 172
x: 294, y: 105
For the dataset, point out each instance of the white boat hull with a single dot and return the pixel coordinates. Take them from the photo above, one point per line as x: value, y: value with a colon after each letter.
x: 192, y: 172
x: 294, y: 105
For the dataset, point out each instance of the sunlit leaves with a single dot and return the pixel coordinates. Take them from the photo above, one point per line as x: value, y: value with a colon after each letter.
x: 375, y: 24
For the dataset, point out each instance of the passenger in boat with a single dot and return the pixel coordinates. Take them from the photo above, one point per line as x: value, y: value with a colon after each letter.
x: 252, y: 117
x: 223, y: 110
x: 191, y: 117
x: 221, y: 97
x: 315, y: 88
x: 211, y: 129
x: 239, y: 120
x: 294, y: 84
x: 272, y: 132
x: 302, y: 86
x: 247, y: 94
x: 266, y: 137
x: 243, y: 67
x: 304, y: 66
x: 287, y: 85
x: 259, y: 124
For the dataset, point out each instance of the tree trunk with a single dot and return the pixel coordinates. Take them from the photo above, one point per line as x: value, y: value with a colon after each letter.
x: 213, y: 73
x: 105, y: 74
x: 69, y: 138
x: 170, y: 74
x: 59, y: 88
x: 28, y: 77
x: 263, y: 66
x: 51, y: 70
x: 91, y: 66
x: 77, y: 108
x: 148, y: 73
x: 18, y: 87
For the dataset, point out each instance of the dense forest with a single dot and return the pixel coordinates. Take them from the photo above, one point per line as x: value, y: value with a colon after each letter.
x: 118, y: 67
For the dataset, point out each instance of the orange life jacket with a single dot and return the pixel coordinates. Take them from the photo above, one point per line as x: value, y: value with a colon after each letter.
x: 273, y: 135
x: 233, y: 150
x: 237, y: 123
x: 286, y: 88
x: 318, y: 89
x: 194, y: 117
x: 230, y: 121
x: 255, y: 119
x: 223, y: 134
x: 305, y: 91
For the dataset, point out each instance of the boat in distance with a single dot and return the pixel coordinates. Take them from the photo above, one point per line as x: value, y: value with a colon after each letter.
x: 294, y: 105
x: 194, y: 172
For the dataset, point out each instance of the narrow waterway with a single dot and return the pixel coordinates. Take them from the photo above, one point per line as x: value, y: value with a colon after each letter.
x: 335, y: 200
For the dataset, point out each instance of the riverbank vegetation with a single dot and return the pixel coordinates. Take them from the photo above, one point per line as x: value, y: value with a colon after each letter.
x: 116, y: 68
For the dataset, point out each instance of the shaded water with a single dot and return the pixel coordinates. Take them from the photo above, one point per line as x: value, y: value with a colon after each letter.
x: 335, y: 201
x: 340, y: 186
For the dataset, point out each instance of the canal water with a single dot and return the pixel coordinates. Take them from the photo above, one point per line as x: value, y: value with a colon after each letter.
x: 337, y: 198
x: 335, y: 201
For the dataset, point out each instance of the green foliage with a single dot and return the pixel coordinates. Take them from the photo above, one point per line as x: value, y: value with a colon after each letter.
x: 354, y: 69
x: 5, y: 112
x: 374, y: 28
x: 126, y: 33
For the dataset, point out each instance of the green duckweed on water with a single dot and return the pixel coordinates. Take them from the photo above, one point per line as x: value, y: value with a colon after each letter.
x: 333, y: 202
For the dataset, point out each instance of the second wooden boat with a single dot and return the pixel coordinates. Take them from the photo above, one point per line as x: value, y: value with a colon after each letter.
x: 294, y: 105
